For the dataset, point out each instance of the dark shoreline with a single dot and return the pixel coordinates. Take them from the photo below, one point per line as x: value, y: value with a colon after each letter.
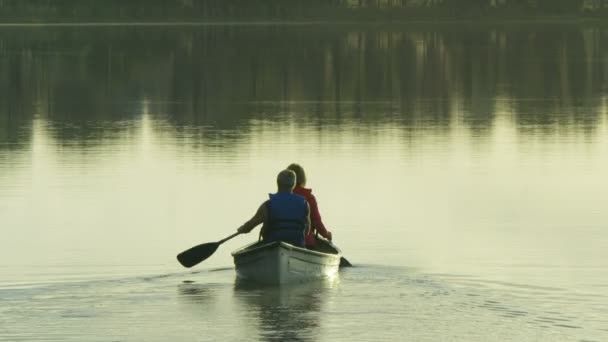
x: 341, y: 22
x: 286, y: 11
x: 339, y: 11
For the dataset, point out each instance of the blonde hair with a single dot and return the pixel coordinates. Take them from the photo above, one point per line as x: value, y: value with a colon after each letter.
x: 300, y: 174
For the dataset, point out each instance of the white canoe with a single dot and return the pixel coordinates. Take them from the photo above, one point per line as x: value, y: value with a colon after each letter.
x: 281, y: 263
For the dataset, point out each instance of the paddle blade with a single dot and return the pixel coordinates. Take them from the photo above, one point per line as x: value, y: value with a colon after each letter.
x: 345, y: 263
x: 197, y: 254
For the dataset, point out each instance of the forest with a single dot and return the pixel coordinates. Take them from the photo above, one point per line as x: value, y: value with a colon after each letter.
x: 220, y: 10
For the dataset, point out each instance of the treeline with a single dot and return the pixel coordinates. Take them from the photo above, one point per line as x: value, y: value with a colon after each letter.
x: 217, y: 10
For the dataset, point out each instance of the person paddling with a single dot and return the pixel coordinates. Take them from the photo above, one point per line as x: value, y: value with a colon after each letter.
x: 286, y: 216
x: 317, y: 223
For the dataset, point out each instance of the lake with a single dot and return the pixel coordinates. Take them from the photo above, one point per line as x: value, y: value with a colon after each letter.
x: 461, y: 168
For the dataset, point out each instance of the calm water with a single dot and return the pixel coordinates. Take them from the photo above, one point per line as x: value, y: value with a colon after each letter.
x: 461, y: 169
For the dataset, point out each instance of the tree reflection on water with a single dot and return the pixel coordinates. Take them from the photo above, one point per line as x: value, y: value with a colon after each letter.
x: 216, y: 82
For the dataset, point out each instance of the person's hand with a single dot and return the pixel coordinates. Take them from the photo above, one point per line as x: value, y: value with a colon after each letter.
x: 329, y: 235
x: 242, y: 230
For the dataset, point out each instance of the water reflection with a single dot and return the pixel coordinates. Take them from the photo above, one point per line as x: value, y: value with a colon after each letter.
x: 456, y: 151
x: 285, y: 313
x: 216, y: 82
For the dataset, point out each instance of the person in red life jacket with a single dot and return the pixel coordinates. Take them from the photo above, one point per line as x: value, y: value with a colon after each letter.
x: 286, y: 216
x: 315, y: 217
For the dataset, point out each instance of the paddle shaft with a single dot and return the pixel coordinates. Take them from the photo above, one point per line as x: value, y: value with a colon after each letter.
x: 228, y: 238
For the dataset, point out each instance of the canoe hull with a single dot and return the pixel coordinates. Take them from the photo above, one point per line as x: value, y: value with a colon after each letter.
x: 282, y: 263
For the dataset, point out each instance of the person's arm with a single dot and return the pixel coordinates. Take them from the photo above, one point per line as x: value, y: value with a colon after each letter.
x: 258, y: 218
x: 315, y: 217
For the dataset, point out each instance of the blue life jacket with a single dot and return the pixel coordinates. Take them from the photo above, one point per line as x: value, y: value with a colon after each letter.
x: 287, y: 218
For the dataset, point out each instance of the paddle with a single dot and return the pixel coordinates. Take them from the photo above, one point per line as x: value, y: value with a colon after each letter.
x: 345, y: 263
x: 196, y: 254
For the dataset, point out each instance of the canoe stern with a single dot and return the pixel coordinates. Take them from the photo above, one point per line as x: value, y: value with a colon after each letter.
x: 280, y: 263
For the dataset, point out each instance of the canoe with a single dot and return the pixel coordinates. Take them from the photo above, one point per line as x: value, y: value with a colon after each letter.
x: 282, y: 263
